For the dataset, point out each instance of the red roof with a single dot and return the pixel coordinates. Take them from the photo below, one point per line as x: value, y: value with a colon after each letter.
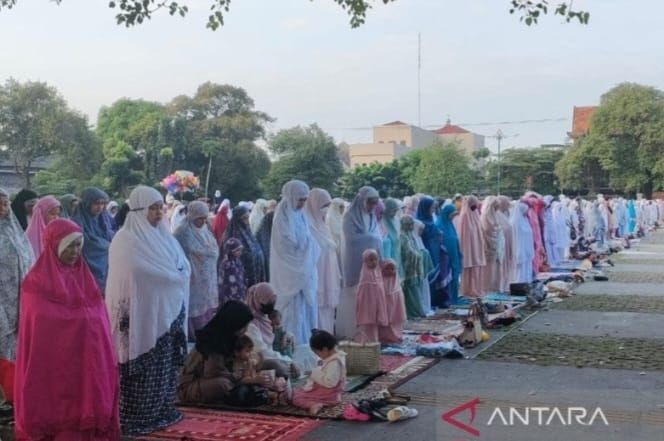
x: 450, y: 129
x: 396, y: 123
x: 581, y: 120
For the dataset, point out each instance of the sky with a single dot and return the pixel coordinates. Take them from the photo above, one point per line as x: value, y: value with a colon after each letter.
x: 302, y: 63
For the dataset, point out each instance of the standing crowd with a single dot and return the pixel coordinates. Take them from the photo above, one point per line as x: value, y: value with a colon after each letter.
x: 110, y: 314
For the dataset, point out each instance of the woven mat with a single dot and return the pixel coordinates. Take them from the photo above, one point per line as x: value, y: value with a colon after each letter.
x: 413, y: 367
x: 217, y: 425
x: 433, y: 325
x: 388, y: 363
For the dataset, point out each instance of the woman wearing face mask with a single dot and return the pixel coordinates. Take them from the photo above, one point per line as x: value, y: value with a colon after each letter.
x: 201, y: 249
x: 98, y: 234
x: 472, y: 247
x: 329, y: 273
x: 66, y: 373
x: 261, y: 299
x: 146, y: 295
x: 294, y: 257
x: 360, y: 233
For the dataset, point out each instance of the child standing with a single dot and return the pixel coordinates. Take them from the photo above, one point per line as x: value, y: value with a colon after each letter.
x: 231, y: 273
x: 284, y: 342
x: 370, y: 304
x: 327, y: 380
x: 395, y: 305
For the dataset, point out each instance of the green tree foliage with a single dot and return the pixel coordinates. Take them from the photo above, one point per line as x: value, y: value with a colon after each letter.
x: 389, y: 179
x: 580, y: 170
x: 141, y: 125
x: 121, y: 169
x: 526, y: 169
x: 441, y: 170
x: 220, y: 126
x: 135, y: 12
x: 306, y: 153
x: 35, y: 122
x: 627, y: 134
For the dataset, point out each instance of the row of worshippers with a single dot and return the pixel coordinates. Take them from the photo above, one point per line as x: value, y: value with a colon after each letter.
x: 127, y: 355
x: 151, y: 288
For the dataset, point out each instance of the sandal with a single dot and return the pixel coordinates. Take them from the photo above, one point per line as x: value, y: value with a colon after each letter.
x: 401, y: 413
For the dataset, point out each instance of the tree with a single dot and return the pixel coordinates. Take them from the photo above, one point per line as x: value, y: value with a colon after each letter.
x: 305, y: 153
x: 121, y: 169
x: 389, y: 179
x: 141, y: 125
x: 135, y: 12
x: 77, y: 162
x: 627, y: 136
x: 215, y: 132
x: 35, y: 123
x: 441, y: 169
x: 526, y: 169
x: 580, y: 170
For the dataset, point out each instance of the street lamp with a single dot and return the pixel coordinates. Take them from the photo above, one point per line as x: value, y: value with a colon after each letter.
x: 499, y: 137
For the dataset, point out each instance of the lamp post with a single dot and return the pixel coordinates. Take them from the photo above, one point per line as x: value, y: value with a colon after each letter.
x: 499, y: 138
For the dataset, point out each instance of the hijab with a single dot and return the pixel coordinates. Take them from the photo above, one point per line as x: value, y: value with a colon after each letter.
x: 221, y: 221
x: 431, y: 235
x: 37, y: 224
x: 257, y: 215
x: 148, y: 280
x: 97, y: 233
x: 318, y: 203
x: 360, y: 232
x: 252, y: 255
x: 259, y: 295
x: 334, y: 219
x: 371, y: 303
x: 450, y: 237
x: 64, y: 301
x: 67, y: 204
x: 470, y: 234
x: 18, y: 206
x: 219, y: 335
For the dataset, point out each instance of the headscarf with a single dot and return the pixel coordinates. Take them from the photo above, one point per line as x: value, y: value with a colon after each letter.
x: 111, y: 205
x: 232, y: 285
x: 410, y: 252
x: 431, y: 236
x: 221, y: 221
x: 470, y: 234
x: 17, y: 257
x: 257, y: 215
x: 98, y: 234
x: 263, y: 237
x: 293, y: 251
x: 450, y: 238
x: 371, y: 305
x: 252, y: 255
x: 329, y: 273
x: 37, y: 225
x: 360, y: 232
x: 334, y: 220
x: 492, y: 231
x: 219, y: 335
x: 525, y: 245
x: 392, y: 227
x: 200, y: 247
x: 64, y: 301
x: 67, y: 205
x: 148, y: 279
x: 18, y: 206
x: 177, y: 216
x: 394, y: 297
x: 257, y: 296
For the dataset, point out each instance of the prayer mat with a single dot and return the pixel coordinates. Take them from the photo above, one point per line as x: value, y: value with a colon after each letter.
x: 388, y: 363
x: 413, y: 367
x: 217, y: 425
x: 434, y: 325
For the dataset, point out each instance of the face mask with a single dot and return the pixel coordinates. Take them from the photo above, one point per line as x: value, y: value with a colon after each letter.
x: 473, y: 207
x: 267, y: 309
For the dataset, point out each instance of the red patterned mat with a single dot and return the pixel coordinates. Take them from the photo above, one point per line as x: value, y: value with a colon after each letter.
x: 219, y: 425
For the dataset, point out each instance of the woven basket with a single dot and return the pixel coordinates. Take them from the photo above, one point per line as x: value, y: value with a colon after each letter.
x: 361, y: 358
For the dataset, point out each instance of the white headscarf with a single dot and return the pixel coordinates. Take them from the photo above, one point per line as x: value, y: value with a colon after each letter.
x: 293, y: 251
x: 148, y: 279
x: 334, y: 218
x: 257, y: 215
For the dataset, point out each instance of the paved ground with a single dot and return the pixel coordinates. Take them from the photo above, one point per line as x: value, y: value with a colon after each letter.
x: 632, y: 400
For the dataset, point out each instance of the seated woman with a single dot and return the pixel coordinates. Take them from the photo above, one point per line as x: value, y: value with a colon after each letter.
x: 261, y: 299
x: 67, y: 389
x: 208, y: 375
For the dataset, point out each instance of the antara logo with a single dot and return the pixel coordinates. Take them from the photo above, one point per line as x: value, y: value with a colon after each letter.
x: 527, y: 416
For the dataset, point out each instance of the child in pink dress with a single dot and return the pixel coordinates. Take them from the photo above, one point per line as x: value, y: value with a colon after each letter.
x: 327, y: 380
x: 370, y: 304
x: 394, y: 301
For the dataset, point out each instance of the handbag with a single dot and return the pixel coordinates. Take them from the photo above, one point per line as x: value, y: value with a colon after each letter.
x: 361, y: 358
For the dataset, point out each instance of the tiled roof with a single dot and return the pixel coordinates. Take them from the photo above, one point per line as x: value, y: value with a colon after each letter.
x: 581, y: 120
x: 449, y: 128
x: 396, y: 123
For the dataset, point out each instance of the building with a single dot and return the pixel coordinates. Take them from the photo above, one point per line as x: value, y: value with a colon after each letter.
x: 12, y: 181
x: 581, y: 119
x: 397, y: 138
